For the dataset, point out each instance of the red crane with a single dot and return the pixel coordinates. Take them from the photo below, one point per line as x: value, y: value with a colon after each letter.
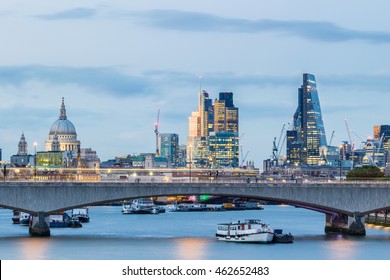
x: 156, y: 132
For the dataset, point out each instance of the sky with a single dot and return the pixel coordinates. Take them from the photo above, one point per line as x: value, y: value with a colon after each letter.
x: 117, y: 62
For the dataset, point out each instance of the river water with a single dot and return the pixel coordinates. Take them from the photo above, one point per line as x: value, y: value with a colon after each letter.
x: 111, y: 235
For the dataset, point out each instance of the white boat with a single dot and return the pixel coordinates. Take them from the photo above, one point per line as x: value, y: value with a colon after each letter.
x: 81, y: 214
x: 252, y: 230
x: 140, y: 206
x: 24, y: 219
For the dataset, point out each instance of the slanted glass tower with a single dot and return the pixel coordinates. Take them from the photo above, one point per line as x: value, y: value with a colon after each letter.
x: 308, y: 122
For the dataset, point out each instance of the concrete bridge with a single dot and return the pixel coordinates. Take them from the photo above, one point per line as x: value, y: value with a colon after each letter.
x: 345, y: 204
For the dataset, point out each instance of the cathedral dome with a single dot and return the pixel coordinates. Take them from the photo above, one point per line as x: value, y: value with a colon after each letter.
x: 62, y: 126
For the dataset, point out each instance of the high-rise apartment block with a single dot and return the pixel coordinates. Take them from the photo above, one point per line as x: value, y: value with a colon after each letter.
x: 213, y: 132
x: 304, y: 144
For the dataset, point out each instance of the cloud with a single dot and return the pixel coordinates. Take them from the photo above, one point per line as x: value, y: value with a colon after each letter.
x: 77, y: 13
x: 201, y: 22
x: 99, y: 80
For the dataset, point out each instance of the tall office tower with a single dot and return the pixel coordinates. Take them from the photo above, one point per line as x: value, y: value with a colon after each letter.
x: 382, y: 135
x: 194, y: 124
x: 169, y: 148
x: 225, y: 113
x: 293, y: 146
x: 223, y: 147
x: 205, y: 109
x: 308, y: 122
x: 213, y: 131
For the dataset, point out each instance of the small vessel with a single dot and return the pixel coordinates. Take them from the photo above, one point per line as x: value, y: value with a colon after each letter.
x: 280, y: 237
x: 141, y: 206
x: 249, y: 231
x: 81, y: 214
x: 59, y: 220
x: 74, y: 222
x: 24, y: 219
x: 16, y: 217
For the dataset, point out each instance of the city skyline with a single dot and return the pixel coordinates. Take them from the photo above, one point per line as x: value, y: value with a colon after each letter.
x: 114, y: 72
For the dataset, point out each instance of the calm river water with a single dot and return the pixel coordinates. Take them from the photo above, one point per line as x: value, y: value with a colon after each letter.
x: 111, y: 235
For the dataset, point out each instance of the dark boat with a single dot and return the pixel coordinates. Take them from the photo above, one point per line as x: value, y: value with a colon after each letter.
x: 74, y: 222
x: 16, y: 217
x: 81, y: 213
x: 280, y: 237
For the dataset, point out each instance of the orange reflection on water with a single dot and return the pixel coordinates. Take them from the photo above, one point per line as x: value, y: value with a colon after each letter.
x: 191, y: 248
x: 343, y: 249
x: 33, y: 248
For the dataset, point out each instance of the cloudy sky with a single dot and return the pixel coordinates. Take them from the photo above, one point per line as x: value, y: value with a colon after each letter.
x: 117, y: 62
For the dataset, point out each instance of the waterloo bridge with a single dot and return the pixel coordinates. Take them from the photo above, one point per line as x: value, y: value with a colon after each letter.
x: 344, y: 203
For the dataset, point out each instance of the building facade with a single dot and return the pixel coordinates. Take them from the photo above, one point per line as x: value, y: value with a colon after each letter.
x: 62, y: 134
x: 169, y: 148
x: 213, y: 132
x: 22, y: 158
x: 308, y: 124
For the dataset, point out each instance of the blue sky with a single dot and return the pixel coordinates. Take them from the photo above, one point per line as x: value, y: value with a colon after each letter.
x: 117, y: 62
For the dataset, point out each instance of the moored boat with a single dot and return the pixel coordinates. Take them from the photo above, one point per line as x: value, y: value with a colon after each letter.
x: 24, y: 219
x: 59, y: 220
x: 16, y: 217
x: 249, y: 231
x: 141, y: 206
x: 63, y: 220
x: 280, y: 237
x: 81, y: 214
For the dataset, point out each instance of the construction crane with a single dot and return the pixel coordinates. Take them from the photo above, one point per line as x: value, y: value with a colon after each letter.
x: 276, y: 147
x: 242, y: 162
x: 325, y: 151
x: 156, y: 124
x: 331, y: 138
x: 350, y: 141
x: 241, y: 152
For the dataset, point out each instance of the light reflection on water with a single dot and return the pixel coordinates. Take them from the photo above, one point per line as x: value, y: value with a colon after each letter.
x: 112, y: 235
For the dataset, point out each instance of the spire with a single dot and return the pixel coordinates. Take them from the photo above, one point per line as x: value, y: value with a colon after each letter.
x: 63, y: 111
x: 22, y: 146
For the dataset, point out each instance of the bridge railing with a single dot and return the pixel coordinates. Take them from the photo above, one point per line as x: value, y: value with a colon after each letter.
x: 249, y: 181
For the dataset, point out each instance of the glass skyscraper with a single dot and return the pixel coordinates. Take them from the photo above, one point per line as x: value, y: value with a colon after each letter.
x: 308, y: 124
x: 213, y: 134
x: 169, y: 147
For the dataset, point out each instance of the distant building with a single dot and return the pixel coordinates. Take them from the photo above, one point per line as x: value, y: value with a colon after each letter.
x: 182, y: 155
x: 90, y: 158
x: 22, y: 158
x: 294, y: 147
x: 308, y: 124
x: 62, y: 135
x: 213, y: 132
x: 53, y: 159
x: 169, y: 148
x: 223, y: 149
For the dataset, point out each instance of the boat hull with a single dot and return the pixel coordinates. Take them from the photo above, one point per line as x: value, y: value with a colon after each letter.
x: 261, y: 237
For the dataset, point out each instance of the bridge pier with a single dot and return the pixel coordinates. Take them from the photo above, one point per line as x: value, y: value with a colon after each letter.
x: 344, y: 224
x: 39, y: 225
